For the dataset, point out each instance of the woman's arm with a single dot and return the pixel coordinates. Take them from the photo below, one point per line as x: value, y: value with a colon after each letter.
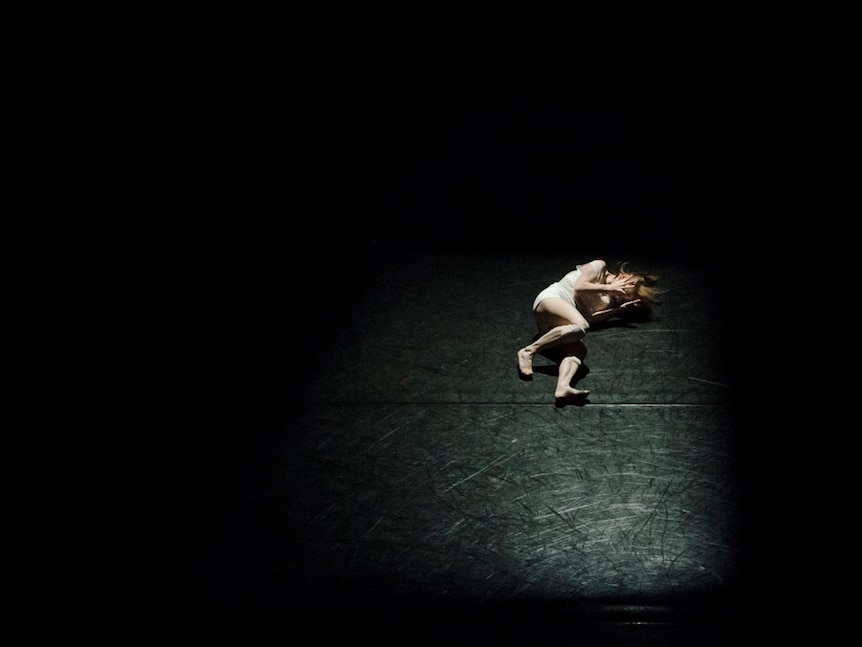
x: 628, y: 307
x: 589, y: 279
x: 593, y: 276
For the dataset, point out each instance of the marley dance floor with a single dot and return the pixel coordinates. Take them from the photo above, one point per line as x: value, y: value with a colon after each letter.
x: 390, y: 465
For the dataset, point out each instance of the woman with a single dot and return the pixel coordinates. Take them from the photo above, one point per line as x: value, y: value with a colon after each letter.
x: 566, y: 309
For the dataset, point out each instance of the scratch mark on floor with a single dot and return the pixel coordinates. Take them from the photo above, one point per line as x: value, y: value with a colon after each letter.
x: 476, y: 473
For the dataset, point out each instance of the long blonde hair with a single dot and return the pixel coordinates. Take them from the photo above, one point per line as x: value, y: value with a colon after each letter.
x: 645, y: 285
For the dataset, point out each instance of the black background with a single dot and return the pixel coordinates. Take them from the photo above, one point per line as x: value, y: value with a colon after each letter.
x: 287, y: 175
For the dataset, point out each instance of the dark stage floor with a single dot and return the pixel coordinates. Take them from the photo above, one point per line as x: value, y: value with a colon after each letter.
x: 390, y: 468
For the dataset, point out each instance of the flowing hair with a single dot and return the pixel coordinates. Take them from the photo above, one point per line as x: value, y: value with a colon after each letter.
x: 645, y: 285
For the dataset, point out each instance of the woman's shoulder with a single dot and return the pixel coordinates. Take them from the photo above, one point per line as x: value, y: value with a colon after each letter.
x: 595, y: 266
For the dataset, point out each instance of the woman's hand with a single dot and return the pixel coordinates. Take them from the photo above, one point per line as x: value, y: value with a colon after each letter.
x: 634, y: 304
x: 620, y: 283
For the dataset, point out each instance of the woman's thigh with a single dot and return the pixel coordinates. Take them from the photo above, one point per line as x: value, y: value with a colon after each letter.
x: 553, y: 312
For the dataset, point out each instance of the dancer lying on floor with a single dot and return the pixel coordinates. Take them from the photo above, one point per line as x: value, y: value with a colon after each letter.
x: 565, y: 310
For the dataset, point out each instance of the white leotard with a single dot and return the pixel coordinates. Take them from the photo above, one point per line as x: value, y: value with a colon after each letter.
x: 565, y: 289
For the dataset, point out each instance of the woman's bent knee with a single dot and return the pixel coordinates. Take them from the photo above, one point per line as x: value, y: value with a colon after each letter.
x: 571, y: 359
x: 573, y: 328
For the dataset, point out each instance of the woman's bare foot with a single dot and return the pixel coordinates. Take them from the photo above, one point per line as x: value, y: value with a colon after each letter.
x: 569, y: 392
x: 525, y: 361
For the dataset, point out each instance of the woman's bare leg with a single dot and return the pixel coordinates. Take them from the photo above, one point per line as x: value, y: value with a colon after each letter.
x: 568, y: 367
x: 562, y: 324
x: 554, y: 336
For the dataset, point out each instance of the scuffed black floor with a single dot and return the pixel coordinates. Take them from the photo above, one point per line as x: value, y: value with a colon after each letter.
x: 401, y: 474
x: 356, y: 452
